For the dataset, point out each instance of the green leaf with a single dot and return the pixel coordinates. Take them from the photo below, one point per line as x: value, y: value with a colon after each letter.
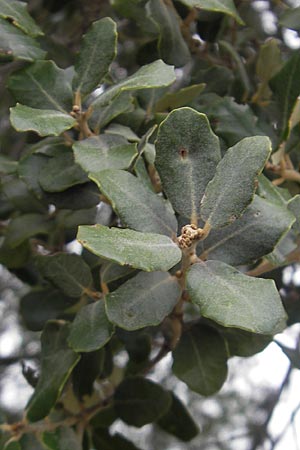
x: 233, y: 299
x: 154, y: 75
x: 17, y: 12
x: 224, y: 6
x: 144, y: 300
x: 64, y: 438
x: 120, y: 104
x: 57, y: 362
x: 7, y: 166
x: 84, y: 375
x: 200, y: 360
x: 42, y: 85
x: 242, y: 343
x: 61, y: 173
x: 250, y: 237
x: 139, y: 401
x: 25, y: 226
x: 294, y: 207
x: 286, y: 87
x: 290, y: 18
x: 66, y: 271
x: 91, y: 329
x: 16, y: 191
x: 178, y: 421
x: 172, y: 100
x: 102, y: 440
x: 111, y: 272
x: 104, y: 152
x: 98, y: 50
x: 29, y: 168
x: 17, y: 45
x: 16, y: 257
x: 44, y: 122
x: 187, y: 153
x: 122, y: 130
x: 233, y: 186
x: 127, y: 194
x: 146, y: 251
x: 40, y: 305
x: 171, y: 44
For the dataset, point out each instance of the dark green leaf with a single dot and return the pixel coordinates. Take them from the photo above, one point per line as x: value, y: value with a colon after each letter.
x: 41, y: 305
x: 17, y: 45
x: 127, y: 194
x: 42, y: 85
x: 173, y: 100
x: 111, y: 272
x: 7, y: 165
x: 242, y: 343
x: 232, y: 189
x: 61, y: 173
x: 29, y: 168
x: 17, y: 12
x: 233, y: 299
x: 120, y: 104
x: 286, y: 87
x: 16, y: 257
x: 144, y: 300
x: 200, y: 360
x: 44, y: 122
x: 250, y: 237
x: 91, y: 329
x: 172, y: 46
x: 178, y: 421
x: 290, y: 18
x: 104, y: 441
x: 139, y: 401
x: 64, y: 438
x: 86, y: 372
x: 104, y: 152
x: 57, y: 362
x: 97, y: 52
x: 26, y: 226
x: 146, y: 251
x: 187, y: 153
x: 16, y: 191
x: 224, y: 6
x: 66, y: 271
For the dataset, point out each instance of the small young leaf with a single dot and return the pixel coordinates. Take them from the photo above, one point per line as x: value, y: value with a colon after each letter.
x: 91, y: 329
x: 97, y: 52
x: 127, y: 194
x: 144, y: 300
x: 178, y: 421
x: 200, y: 360
x: 44, y: 122
x: 66, y: 271
x: 18, y: 45
x: 139, y: 401
x: 57, y: 362
x: 232, y: 189
x: 17, y: 12
x: 146, y: 251
x: 187, y: 153
x: 42, y: 85
x: 233, y: 299
x: 224, y: 6
x: 104, y: 152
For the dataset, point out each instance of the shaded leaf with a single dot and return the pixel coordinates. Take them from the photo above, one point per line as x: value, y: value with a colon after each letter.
x: 86, y: 372
x: 224, y: 6
x: 44, y: 122
x: 26, y: 226
x: 294, y: 207
x: 232, y: 189
x: 64, y: 438
x: 187, y: 153
x: 29, y: 168
x: 17, y: 45
x: 7, y: 166
x: 97, y: 52
x: 139, y: 401
x: 178, y: 421
x: 172, y: 100
x: 286, y: 87
x: 171, y: 44
x: 144, y: 300
x: 55, y: 354
x: 61, y: 173
x: 104, y: 441
x: 17, y: 12
x: 200, y: 360
x: 119, y: 104
x: 66, y: 271
x: 144, y: 251
x: 242, y: 343
x: 42, y: 85
x: 233, y: 299
x: 104, y: 152
x: 127, y: 194
x: 91, y: 329
x: 290, y: 18
x: 111, y: 272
